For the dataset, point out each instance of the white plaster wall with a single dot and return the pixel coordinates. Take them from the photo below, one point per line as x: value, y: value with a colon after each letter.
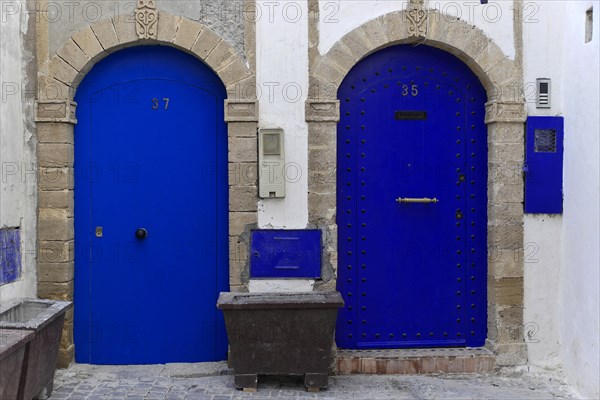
x: 281, y: 285
x: 282, y: 76
x: 17, y: 145
x: 561, y: 289
x: 543, y: 43
x: 542, y: 239
x: 542, y: 255
x: 338, y: 17
x: 580, y: 279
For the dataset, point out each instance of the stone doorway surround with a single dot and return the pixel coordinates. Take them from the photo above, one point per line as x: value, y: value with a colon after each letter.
x: 55, y: 116
x: 505, y: 117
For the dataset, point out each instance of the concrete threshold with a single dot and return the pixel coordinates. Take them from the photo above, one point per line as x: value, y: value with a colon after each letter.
x: 415, y: 361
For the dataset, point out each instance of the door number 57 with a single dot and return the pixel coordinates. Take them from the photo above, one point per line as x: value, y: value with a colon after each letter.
x: 156, y: 103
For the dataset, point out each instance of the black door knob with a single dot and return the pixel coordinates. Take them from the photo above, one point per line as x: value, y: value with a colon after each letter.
x: 141, y: 233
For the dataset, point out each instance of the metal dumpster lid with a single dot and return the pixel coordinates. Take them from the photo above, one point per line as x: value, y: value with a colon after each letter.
x: 239, y: 301
x: 12, y: 339
x: 55, y: 309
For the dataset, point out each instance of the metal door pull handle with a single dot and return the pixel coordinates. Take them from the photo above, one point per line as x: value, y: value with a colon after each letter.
x: 424, y: 200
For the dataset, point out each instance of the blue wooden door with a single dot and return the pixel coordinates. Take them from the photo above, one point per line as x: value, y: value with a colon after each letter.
x: 412, y: 272
x: 150, y: 154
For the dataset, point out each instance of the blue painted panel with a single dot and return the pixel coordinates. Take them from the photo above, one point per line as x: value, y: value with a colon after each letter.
x: 544, y: 146
x: 412, y: 275
x: 286, y: 254
x: 150, y: 152
x: 10, y: 255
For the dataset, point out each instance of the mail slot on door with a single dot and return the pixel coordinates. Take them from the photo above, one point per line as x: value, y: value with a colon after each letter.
x: 285, y: 254
x: 544, y: 165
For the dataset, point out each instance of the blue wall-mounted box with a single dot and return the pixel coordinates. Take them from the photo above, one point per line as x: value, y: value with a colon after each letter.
x: 544, y: 147
x: 285, y: 254
x: 10, y: 255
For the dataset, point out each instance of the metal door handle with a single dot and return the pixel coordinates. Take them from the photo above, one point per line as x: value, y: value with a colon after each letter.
x: 424, y: 200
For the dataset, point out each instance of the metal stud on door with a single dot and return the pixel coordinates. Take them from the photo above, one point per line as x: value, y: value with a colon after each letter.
x: 412, y: 179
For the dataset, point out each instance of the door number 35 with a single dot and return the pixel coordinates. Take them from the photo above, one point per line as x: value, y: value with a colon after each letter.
x: 413, y: 90
x: 156, y: 103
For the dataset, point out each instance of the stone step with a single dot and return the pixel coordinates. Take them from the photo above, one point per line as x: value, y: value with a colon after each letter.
x: 415, y: 361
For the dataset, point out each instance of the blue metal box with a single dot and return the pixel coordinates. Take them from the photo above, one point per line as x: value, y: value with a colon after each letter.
x: 544, y: 165
x: 285, y: 254
x: 10, y: 255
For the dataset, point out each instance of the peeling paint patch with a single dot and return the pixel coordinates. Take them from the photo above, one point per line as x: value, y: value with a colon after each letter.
x: 10, y: 255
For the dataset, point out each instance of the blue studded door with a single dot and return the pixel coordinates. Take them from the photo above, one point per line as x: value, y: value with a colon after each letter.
x: 151, y: 210
x: 412, y: 202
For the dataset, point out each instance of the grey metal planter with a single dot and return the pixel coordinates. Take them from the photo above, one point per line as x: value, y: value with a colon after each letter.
x: 280, y: 334
x: 13, y: 344
x: 45, y: 318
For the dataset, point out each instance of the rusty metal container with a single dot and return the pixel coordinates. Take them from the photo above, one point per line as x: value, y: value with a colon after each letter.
x: 45, y: 318
x: 13, y: 345
x: 280, y: 334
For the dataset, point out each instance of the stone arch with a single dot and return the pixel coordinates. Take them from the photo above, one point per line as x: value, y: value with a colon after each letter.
x: 499, y: 74
x: 55, y: 117
x: 96, y: 41
x: 505, y: 116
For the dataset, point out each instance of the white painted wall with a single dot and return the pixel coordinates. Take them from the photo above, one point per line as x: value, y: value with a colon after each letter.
x: 338, y: 17
x: 561, y: 289
x: 281, y: 285
x: 543, y: 44
x: 580, y: 278
x: 542, y: 255
x: 282, y: 77
x: 17, y: 171
x: 542, y: 241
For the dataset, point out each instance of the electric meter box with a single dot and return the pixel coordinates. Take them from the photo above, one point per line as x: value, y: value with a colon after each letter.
x: 271, y: 163
x: 544, y: 165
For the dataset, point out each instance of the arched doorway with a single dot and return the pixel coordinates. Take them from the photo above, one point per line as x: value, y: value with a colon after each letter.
x: 151, y: 210
x: 412, y: 202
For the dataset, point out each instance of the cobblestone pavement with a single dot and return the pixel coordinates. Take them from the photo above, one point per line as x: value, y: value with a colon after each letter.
x: 213, y: 381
